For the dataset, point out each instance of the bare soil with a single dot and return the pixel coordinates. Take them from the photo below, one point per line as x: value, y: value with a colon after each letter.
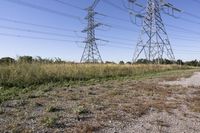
x: 150, y: 105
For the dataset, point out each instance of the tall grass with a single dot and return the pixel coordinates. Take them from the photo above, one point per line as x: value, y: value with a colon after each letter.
x: 24, y: 74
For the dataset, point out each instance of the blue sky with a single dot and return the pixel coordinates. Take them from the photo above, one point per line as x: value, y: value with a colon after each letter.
x: 122, y: 39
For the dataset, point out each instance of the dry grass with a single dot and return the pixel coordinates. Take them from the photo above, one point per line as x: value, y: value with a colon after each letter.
x: 24, y: 75
x: 87, y: 109
x: 194, y: 102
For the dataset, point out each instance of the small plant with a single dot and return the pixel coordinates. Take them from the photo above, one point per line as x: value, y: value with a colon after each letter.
x: 49, y: 121
x: 1, y: 111
x: 81, y: 110
x: 52, y: 109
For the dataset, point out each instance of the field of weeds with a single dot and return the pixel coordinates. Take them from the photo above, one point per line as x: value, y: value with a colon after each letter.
x: 20, y: 78
x: 26, y: 74
x: 67, y: 98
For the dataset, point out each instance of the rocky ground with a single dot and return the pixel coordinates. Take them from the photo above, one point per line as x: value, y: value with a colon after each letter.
x: 164, y: 104
x: 185, y: 118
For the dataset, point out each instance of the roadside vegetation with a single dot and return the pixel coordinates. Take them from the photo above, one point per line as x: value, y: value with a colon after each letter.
x: 27, y: 73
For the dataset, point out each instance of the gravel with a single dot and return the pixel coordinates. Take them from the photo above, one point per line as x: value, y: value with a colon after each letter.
x: 179, y: 120
x: 186, y: 82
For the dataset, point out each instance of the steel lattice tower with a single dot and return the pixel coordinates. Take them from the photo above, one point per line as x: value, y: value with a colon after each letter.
x: 153, y: 42
x: 91, y: 53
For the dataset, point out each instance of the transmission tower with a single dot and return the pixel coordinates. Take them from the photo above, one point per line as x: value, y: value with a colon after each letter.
x: 153, y: 42
x: 91, y: 53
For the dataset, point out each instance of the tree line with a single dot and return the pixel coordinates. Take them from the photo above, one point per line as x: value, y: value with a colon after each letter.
x: 38, y: 59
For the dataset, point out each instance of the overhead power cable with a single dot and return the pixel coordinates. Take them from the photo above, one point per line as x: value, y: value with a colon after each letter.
x: 191, y: 15
x: 63, y: 29
x: 38, y: 38
x: 41, y: 8
x: 37, y: 25
x: 114, y: 5
x: 35, y: 31
x: 183, y: 29
x: 68, y: 4
x: 64, y: 40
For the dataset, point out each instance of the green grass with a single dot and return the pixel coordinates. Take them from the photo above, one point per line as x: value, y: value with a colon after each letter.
x: 49, y: 121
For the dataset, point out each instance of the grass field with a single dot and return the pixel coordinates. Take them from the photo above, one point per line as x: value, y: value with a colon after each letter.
x: 24, y: 74
x: 20, y: 78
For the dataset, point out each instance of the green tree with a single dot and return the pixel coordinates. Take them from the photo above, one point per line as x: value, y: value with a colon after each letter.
x: 25, y: 59
x: 7, y: 60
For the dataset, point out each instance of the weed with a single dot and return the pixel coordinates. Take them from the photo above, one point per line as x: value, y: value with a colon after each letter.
x: 49, y: 121
x: 2, y: 111
x: 80, y: 110
x: 52, y: 109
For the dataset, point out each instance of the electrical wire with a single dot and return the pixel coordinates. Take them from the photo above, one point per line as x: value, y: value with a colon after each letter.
x: 33, y: 37
x: 41, y: 8
x: 68, y: 4
x: 36, y: 25
x: 36, y: 31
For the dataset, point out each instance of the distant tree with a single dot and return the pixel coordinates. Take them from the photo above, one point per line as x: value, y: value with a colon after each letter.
x: 7, y: 60
x: 166, y: 61
x: 192, y: 63
x: 121, y: 63
x: 179, y: 62
x: 129, y: 63
x: 142, y: 61
x: 109, y: 62
x: 25, y: 59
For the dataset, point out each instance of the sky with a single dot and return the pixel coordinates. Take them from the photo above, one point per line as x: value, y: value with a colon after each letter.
x: 17, y: 38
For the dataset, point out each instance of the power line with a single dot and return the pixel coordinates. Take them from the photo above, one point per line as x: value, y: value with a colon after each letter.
x: 81, y: 9
x: 38, y: 38
x: 183, y: 29
x: 58, y: 28
x: 117, y: 26
x: 37, y: 25
x: 114, y: 5
x: 55, y: 28
x: 64, y: 35
x: 64, y: 40
x: 35, y: 31
x: 192, y: 15
x: 64, y: 29
x: 68, y: 4
x: 22, y: 3
x: 72, y: 16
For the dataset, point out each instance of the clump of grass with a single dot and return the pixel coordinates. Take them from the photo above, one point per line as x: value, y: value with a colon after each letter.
x: 2, y: 111
x: 49, y: 121
x: 81, y: 110
x: 52, y: 109
x: 87, y: 128
x: 36, y: 104
x: 195, y: 104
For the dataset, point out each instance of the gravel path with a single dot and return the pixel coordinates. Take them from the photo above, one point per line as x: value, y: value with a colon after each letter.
x: 178, y: 120
x: 186, y: 82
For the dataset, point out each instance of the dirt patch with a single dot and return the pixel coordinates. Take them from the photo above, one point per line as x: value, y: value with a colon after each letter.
x: 186, y: 82
x: 180, y: 111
